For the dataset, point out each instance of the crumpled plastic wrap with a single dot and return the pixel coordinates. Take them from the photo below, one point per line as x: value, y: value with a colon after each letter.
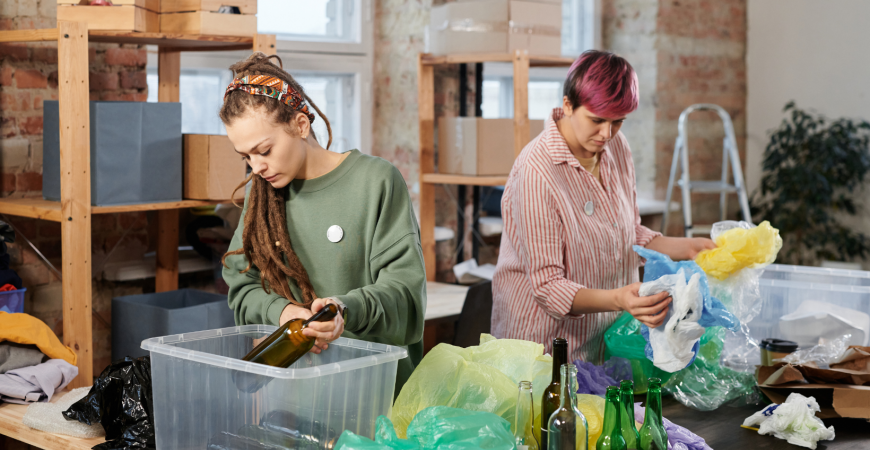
x: 438, y: 427
x: 679, y: 438
x: 623, y: 344
x: 48, y: 417
x: 706, y: 385
x: 592, y: 379
x: 674, y: 344
x: 477, y: 378
x: 739, y: 245
x: 795, y: 421
x: 121, y: 401
x: 823, y: 354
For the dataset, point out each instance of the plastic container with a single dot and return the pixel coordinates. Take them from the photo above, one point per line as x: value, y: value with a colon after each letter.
x: 774, y: 349
x: 783, y: 296
x: 819, y: 275
x: 12, y: 301
x: 195, y: 400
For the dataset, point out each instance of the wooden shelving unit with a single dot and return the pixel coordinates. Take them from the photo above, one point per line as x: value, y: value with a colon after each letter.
x: 426, y: 63
x: 74, y: 211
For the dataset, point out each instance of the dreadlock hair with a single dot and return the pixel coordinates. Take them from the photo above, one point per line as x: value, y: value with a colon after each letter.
x: 265, y: 240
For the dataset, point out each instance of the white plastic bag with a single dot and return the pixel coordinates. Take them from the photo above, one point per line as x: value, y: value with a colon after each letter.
x: 815, y: 321
x: 795, y: 421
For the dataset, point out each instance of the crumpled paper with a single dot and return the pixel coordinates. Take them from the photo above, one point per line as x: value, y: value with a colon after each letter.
x: 795, y: 421
x: 675, y: 343
x: 740, y: 247
x: 679, y: 438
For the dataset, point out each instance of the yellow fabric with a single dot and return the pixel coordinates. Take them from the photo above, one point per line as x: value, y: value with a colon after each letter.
x: 26, y: 329
x: 739, y: 248
x: 478, y: 378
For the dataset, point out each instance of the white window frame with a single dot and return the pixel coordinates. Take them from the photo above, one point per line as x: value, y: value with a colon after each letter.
x: 503, y: 73
x: 589, y: 36
x: 326, y: 57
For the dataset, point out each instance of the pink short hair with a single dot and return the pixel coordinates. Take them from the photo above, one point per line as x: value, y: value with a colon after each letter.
x: 602, y: 82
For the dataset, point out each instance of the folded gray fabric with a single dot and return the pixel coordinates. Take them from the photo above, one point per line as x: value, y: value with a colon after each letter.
x: 36, y: 383
x: 15, y: 356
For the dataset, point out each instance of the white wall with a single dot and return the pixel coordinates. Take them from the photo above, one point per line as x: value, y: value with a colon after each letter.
x: 816, y: 53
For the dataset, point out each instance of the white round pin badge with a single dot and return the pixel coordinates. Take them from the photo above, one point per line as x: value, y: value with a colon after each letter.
x: 589, y: 208
x: 334, y: 233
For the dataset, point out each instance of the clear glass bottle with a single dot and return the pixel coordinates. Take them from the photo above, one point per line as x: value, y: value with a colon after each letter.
x: 566, y: 427
x: 551, y: 400
x: 611, y: 432
x: 629, y: 429
x: 524, y: 417
x: 652, y: 434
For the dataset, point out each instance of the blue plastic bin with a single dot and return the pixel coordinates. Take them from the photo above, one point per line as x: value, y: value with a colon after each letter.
x: 12, y: 301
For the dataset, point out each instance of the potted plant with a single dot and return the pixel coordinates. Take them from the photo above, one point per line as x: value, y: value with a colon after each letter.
x: 813, y: 167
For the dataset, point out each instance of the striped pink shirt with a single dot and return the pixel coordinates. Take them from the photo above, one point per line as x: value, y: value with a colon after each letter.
x: 552, y: 247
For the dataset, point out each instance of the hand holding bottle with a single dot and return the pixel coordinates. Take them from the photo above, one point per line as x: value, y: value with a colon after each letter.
x: 324, y: 332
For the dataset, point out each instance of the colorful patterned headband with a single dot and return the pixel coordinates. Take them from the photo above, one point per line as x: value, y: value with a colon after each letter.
x: 271, y: 87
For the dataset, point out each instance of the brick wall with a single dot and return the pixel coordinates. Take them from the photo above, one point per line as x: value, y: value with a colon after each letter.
x: 28, y: 76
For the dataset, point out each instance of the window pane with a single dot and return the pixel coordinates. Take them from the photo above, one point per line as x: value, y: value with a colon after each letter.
x: 310, y: 20
x: 491, y: 96
x: 543, y: 97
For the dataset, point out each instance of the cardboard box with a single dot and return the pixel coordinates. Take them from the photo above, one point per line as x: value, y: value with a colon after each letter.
x: 209, y: 23
x: 496, y: 26
x: 135, y: 152
x: 212, y: 168
x: 111, y: 18
x: 173, y: 6
x: 150, y: 5
x: 477, y: 146
x: 835, y: 398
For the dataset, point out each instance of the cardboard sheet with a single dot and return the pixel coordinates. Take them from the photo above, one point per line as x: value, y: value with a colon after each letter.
x: 840, y: 392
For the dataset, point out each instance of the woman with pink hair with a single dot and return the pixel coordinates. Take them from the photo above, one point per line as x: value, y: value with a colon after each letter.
x: 566, y: 266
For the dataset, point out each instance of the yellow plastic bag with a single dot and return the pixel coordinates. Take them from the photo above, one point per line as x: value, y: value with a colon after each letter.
x: 739, y: 248
x: 479, y: 378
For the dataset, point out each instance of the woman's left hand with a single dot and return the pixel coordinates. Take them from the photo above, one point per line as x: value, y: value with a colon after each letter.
x: 693, y: 246
x: 325, y: 332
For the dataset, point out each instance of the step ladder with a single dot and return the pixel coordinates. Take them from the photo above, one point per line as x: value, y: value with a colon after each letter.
x: 729, y: 156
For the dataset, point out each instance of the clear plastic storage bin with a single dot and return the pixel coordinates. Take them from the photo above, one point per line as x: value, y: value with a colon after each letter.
x: 198, y: 406
x: 820, y: 275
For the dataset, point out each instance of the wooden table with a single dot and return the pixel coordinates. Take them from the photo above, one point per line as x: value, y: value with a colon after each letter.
x: 721, y: 429
x: 11, y: 426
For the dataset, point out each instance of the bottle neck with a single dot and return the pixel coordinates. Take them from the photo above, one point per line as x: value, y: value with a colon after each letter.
x: 612, y: 416
x: 627, y: 401
x: 653, y: 414
x: 560, y: 358
x: 568, y: 387
x: 525, y: 410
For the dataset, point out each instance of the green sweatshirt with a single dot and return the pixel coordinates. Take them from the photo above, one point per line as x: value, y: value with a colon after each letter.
x: 376, y: 268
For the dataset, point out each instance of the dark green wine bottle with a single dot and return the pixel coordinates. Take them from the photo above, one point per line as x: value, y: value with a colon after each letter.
x: 611, y: 433
x: 552, y: 393
x: 282, y: 348
x: 629, y: 429
x: 652, y: 434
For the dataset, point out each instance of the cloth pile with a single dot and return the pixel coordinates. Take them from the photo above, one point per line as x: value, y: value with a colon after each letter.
x: 795, y: 421
x: 34, y: 364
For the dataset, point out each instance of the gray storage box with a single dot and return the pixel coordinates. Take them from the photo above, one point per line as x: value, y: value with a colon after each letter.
x: 139, y: 317
x: 135, y: 152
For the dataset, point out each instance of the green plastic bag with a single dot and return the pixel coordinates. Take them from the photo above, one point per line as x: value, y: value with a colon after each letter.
x: 480, y: 378
x: 438, y: 427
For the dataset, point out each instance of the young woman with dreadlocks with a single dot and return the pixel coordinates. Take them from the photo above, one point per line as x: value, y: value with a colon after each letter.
x: 318, y: 227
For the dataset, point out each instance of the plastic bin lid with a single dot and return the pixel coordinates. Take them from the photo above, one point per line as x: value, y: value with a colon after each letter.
x: 779, y: 345
x: 381, y: 353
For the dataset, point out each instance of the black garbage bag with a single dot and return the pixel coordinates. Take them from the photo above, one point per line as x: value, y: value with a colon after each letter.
x: 121, y: 401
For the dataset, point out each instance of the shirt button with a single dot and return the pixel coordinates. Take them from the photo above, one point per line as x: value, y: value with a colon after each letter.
x: 614, y: 225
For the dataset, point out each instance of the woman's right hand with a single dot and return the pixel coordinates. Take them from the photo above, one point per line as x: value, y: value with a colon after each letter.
x: 650, y: 310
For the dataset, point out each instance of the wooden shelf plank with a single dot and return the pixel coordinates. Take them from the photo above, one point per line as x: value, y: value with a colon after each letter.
x: 178, y: 41
x: 155, y: 206
x: 45, y: 34
x: 10, y: 425
x: 35, y: 208
x: 470, y: 180
x: 534, y: 61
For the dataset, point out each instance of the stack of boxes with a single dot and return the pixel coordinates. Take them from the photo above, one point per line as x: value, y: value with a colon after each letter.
x: 198, y: 17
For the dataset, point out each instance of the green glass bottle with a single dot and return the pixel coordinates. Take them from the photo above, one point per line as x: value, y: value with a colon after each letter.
x: 652, y: 434
x: 525, y: 415
x: 629, y: 429
x: 551, y: 400
x: 611, y: 432
x: 566, y: 428
x: 282, y: 348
